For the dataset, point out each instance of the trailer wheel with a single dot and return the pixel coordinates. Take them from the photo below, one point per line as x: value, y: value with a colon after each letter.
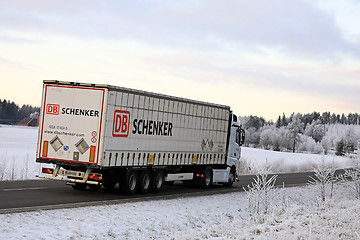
x: 144, y: 182
x: 79, y: 186
x: 131, y: 182
x: 169, y: 183
x: 207, y: 179
x: 157, y: 182
x: 92, y: 186
x: 109, y: 180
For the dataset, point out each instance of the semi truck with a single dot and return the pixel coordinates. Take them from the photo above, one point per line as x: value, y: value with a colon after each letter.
x: 102, y: 135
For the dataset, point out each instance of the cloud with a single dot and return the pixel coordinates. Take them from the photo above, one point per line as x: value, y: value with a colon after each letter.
x: 295, y: 28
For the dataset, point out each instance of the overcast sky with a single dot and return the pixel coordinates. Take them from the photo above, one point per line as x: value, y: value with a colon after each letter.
x: 261, y: 57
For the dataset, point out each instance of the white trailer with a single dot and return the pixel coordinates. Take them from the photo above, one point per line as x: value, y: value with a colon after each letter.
x: 103, y: 135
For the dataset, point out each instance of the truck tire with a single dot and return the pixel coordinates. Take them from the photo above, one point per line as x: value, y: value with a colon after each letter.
x: 79, y: 186
x: 157, y: 182
x: 131, y: 182
x: 144, y: 182
x: 231, y: 180
x: 207, y: 179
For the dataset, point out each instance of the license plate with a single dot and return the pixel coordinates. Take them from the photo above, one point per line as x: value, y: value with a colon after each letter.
x: 70, y: 173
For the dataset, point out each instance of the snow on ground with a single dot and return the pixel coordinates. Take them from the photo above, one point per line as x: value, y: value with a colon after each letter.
x: 212, y: 217
x: 295, y: 213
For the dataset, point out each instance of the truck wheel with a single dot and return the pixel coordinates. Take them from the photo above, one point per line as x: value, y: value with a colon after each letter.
x: 157, y: 182
x: 144, y: 182
x: 231, y: 180
x: 79, y: 186
x: 207, y: 179
x: 131, y: 182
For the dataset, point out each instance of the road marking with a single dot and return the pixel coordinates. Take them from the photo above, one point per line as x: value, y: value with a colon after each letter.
x: 22, y: 189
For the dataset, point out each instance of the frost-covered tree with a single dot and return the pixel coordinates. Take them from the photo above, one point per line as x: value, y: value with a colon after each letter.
x: 252, y: 137
x: 325, y: 179
x: 295, y: 127
x: 308, y: 144
x: 261, y: 194
x: 353, y: 176
x: 266, y: 138
x: 316, y: 130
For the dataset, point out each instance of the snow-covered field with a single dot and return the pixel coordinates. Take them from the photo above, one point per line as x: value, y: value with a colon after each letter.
x: 285, y: 162
x: 295, y: 213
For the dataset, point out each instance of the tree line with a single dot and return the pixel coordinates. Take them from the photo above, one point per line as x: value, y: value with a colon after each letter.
x: 11, y: 113
x: 314, y: 132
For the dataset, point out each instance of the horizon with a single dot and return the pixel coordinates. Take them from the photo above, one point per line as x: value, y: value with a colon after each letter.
x: 260, y: 58
x: 267, y: 120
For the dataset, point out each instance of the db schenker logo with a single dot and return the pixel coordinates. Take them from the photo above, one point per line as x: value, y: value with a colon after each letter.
x: 121, y: 123
x: 53, y: 109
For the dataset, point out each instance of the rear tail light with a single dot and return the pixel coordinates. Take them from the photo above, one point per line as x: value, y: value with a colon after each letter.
x: 199, y: 175
x: 95, y: 176
x: 47, y: 170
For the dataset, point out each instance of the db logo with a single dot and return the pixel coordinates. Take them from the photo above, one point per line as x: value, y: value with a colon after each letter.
x: 53, y: 109
x: 121, y: 123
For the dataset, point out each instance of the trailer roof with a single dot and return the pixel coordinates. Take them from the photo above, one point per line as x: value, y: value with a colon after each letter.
x: 140, y: 92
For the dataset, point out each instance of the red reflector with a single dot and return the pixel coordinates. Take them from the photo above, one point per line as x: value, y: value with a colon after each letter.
x: 47, y: 170
x: 95, y: 176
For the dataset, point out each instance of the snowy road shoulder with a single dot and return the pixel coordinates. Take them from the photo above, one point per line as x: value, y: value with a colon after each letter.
x: 225, y: 216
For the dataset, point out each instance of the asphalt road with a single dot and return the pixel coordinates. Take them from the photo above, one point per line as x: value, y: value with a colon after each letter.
x: 20, y: 196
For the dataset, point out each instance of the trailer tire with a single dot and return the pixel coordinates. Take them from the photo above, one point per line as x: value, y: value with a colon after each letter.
x: 109, y: 184
x: 131, y: 182
x: 207, y: 179
x: 109, y: 180
x: 157, y: 181
x: 79, y: 186
x: 169, y: 183
x: 145, y: 182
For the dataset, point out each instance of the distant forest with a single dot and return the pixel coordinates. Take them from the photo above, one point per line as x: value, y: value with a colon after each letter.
x: 313, y: 132
x: 11, y: 113
x: 282, y: 121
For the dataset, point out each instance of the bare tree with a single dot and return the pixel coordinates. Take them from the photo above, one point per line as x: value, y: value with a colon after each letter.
x: 260, y: 194
x: 324, y: 178
x: 353, y: 175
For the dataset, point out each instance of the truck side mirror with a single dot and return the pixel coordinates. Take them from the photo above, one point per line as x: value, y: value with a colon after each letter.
x: 242, y: 136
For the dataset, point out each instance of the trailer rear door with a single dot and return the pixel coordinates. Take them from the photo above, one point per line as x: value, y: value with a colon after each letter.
x: 71, y: 123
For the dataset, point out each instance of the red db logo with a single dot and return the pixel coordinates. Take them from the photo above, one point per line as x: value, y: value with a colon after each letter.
x: 121, y: 123
x: 53, y: 109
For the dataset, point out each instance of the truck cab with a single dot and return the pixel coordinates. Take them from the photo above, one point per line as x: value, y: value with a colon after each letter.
x: 236, y: 139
